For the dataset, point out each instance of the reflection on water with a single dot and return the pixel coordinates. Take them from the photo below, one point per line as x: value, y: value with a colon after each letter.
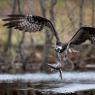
x: 71, y: 82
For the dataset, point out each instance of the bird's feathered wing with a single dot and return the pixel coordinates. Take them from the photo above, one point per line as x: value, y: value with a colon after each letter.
x: 29, y: 23
x: 80, y: 36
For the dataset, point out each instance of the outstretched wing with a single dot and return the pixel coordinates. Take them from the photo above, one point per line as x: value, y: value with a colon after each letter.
x: 25, y: 23
x: 83, y: 34
x: 80, y: 36
x: 29, y: 23
x: 91, y: 34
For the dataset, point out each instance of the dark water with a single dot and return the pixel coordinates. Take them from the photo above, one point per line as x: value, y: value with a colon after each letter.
x: 71, y: 82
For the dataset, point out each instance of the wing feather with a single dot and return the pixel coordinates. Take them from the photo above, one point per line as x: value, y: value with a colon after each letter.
x: 25, y: 23
x: 29, y: 23
x: 80, y: 36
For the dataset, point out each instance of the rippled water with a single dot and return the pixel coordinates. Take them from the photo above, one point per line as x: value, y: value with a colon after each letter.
x: 72, y: 81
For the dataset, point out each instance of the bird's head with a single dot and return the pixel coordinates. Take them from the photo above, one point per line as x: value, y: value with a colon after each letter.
x: 60, y: 47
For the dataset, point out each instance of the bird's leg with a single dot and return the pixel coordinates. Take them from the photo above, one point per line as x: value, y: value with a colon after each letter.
x: 58, y: 65
x: 56, y: 68
x: 60, y: 71
x: 59, y: 62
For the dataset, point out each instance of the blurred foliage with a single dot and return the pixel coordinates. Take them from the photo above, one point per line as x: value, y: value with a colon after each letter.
x: 66, y: 20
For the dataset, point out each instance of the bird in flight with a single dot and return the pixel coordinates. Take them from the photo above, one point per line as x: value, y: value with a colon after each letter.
x: 32, y: 23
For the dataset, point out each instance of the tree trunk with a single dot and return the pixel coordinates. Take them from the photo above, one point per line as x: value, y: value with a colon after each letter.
x: 93, y: 12
x: 81, y: 13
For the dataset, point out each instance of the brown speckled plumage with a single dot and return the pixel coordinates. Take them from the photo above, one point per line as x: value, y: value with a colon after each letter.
x: 29, y: 23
